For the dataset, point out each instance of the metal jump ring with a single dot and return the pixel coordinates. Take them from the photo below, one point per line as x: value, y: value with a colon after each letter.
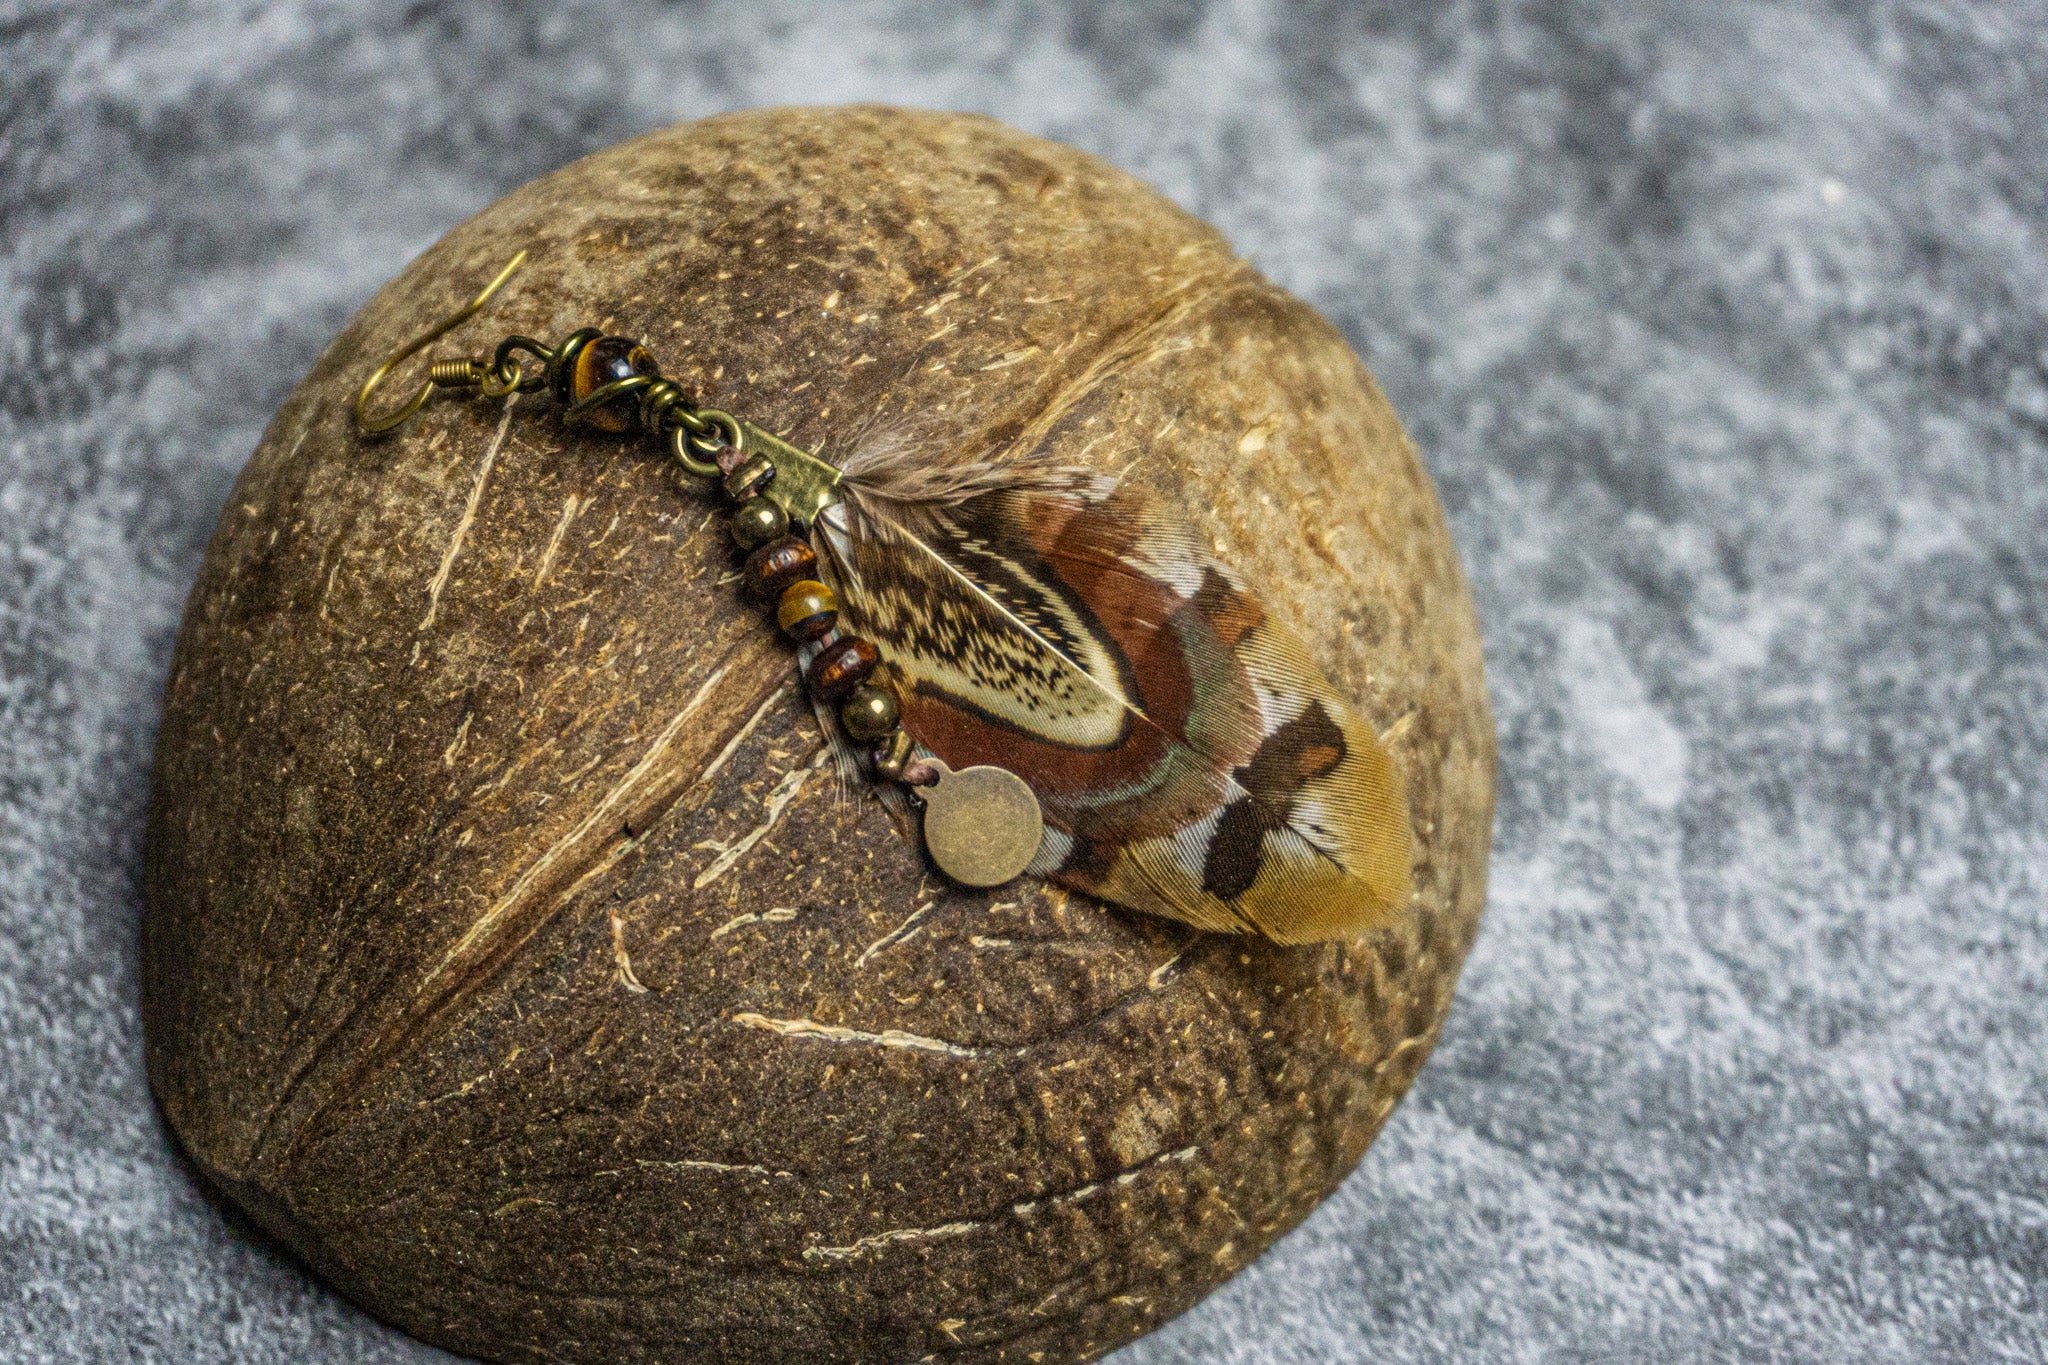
x: 508, y: 376
x: 720, y: 429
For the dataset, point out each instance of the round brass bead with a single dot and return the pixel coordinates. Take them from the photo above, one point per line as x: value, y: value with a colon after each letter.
x: 757, y: 522
x: 808, y: 610
x: 776, y: 565
x: 869, y: 712
x: 750, y: 478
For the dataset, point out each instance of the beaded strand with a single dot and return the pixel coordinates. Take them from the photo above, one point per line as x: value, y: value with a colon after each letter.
x: 781, y: 569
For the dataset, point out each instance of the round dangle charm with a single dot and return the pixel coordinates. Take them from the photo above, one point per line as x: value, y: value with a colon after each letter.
x: 982, y: 825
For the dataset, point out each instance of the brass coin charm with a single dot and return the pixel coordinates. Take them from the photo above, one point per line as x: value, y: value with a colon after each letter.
x: 981, y: 824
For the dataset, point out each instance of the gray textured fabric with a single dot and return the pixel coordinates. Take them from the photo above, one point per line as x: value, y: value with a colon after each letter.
x: 1722, y: 328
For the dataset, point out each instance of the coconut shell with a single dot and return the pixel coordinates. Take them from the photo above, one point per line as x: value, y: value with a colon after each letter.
x: 513, y: 954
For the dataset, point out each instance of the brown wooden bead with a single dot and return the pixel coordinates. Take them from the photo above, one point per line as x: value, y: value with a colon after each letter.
x: 776, y: 565
x: 869, y: 712
x: 756, y: 522
x: 841, y: 666
x: 606, y: 361
x: 808, y: 610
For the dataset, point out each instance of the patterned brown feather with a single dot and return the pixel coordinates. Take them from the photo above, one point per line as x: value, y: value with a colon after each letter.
x: 1191, y: 760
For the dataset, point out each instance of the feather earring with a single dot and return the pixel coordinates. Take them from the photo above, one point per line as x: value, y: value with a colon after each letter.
x: 1054, y: 669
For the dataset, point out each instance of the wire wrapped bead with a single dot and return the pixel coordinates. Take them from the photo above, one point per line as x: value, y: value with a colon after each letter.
x: 607, y: 360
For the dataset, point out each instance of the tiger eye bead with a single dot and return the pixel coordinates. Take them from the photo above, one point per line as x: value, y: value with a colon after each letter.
x: 869, y: 712
x: 841, y: 666
x: 757, y: 522
x: 808, y: 610
x: 776, y: 565
x: 606, y: 361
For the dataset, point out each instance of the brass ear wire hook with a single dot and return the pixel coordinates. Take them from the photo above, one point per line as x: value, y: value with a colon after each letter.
x: 456, y: 373
x: 611, y: 384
